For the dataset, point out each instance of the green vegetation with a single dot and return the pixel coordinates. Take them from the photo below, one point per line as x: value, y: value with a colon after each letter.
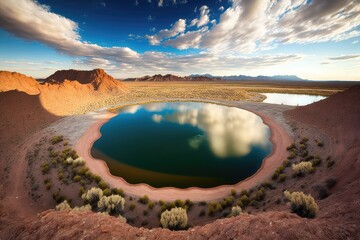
x: 144, y: 199
x: 235, y: 211
x: 175, y: 219
x: 92, y: 197
x: 301, y: 204
x: 282, y: 177
x: 132, y: 206
x: 57, y: 139
x: 214, y: 207
x: 151, y: 205
x: 302, y: 168
x: 63, y: 206
x: 113, y: 204
x: 277, y: 172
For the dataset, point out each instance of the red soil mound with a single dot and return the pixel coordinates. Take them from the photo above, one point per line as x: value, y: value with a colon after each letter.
x: 97, y: 78
x: 16, y: 81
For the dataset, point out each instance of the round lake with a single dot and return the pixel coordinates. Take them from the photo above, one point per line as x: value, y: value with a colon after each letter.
x: 183, y: 144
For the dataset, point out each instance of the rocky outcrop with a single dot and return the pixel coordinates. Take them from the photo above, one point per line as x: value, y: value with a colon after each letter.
x: 173, y: 78
x: 17, y: 81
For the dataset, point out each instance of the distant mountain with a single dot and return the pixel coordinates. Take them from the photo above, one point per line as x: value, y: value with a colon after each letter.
x: 260, y: 77
x: 173, y: 78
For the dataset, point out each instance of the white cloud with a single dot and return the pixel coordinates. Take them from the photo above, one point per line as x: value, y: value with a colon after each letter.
x: 221, y: 8
x: 204, y: 16
x: 178, y: 27
x: 344, y: 57
x: 193, y: 22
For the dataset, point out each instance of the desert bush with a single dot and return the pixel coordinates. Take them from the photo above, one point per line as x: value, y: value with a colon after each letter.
x: 268, y: 185
x: 65, y: 143
x: 132, y: 206
x: 245, y: 200
x: 322, y: 191
x: 81, y: 191
x: 92, y: 197
x: 175, y: 219
x: 162, y: 202
x: 277, y: 172
x: 69, y: 160
x: 107, y: 192
x: 63, y: 206
x: 260, y: 195
x: 302, y: 168
x: 286, y: 163
x: 304, y: 154
x: 202, y: 203
x: 85, y: 208
x: 144, y: 199
x: 189, y: 204
x: 282, y: 177
x: 48, y: 185
x: 179, y: 203
x: 316, y: 161
x: 56, y: 139
x: 118, y: 191
x: 292, y: 155
x: 235, y: 211
x: 145, y: 212
x: 304, y: 140
x: 112, y: 204
x: 151, y: 205
x: 301, y: 204
x: 233, y: 192
x: 97, y: 178
x: 320, y: 144
x: 290, y: 147
x: 45, y: 168
x: 79, y: 162
x: 103, y: 185
x: 330, y: 183
x: 214, y: 207
x: 77, y: 178
x: 202, y: 213
x: 122, y: 219
x: 244, y: 192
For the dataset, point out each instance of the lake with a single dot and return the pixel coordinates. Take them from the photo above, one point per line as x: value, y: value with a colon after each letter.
x: 183, y: 144
x: 291, y: 99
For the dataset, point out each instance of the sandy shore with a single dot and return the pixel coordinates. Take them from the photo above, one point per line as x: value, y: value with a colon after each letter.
x: 279, y: 137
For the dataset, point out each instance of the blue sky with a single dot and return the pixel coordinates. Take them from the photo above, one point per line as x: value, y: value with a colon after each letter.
x: 317, y: 39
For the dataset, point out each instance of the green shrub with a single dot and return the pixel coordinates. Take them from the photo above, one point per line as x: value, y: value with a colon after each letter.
x: 45, y: 168
x: 48, y: 185
x: 304, y: 140
x: 144, y: 199
x: 301, y: 204
x: 81, y: 191
x: 85, y: 208
x: 189, y: 204
x: 151, y: 205
x: 175, y: 219
x: 132, y: 206
x: 291, y: 147
x: 235, y: 211
x: 118, y: 191
x: 282, y: 177
x: 286, y: 163
x: 77, y: 178
x: 320, y: 144
x: 214, y: 207
x: 316, y: 161
x: 268, y: 185
x: 202, y: 213
x: 302, y: 168
x: 277, y: 172
x: 245, y: 200
x: 107, y: 192
x: 58, y: 198
x: 112, y: 204
x: 233, y: 192
x: 260, y: 194
x: 92, y: 197
x: 103, y: 185
x: 57, y: 139
x: 179, y: 203
x: 63, y: 206
x: 244, y: 192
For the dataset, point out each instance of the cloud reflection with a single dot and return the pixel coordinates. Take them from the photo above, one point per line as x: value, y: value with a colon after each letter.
x: 231, y: 132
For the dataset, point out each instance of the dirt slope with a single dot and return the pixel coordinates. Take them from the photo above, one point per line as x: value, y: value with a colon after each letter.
x: 17, y: 81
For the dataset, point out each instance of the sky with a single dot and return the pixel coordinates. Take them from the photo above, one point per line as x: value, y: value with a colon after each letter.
x: 313, y: 39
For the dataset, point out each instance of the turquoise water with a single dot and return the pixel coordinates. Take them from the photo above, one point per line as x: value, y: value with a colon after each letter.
x: 183, y: 144
x: 291, y: 99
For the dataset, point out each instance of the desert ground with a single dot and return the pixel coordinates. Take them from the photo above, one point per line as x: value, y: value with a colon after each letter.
x: 75, y: 104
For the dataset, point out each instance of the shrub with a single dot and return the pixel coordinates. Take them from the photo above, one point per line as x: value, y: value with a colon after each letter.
x: 81, y: 191
x: 260, y: 194
x: 145, y: 213
x: 322, y: 192
x: 118, y: 191
x: 79, y: 161
x: 316, y: 162
x: 77, y: 178
x: 45, y: 168
x: 144, y: 199
x: 244, y: 192
x: 320, y: 144
x: 188, y: 203
x: 301, y: 204
x: 304, y: 140
x: 58, y: 198
x: 175, y: 219
x: 56, y: 139
x: 202, y: 203
x: 103, y: 185
x: 268, y: 185
x: 235, y: 211
x: 69, y: 160
x: 277, y: 172
x: 113, y: 204
x: 202, y: 213
x: 233, y: 192
x: 48, y: 185
x: 63, y: 206
x: 330, y: 183
x: 301, y: 168
x: 214, y: 207
x: 179, y: 203
x: 245, y: 200
x: 132, y: 206
x: 282, y: 177
x: 92, y: 196
x: 151, y: 205
x: 286, y: 163
x: 107, y: 192
x: 85, y: 208
x: 292, y: 156
x: 144, y: 223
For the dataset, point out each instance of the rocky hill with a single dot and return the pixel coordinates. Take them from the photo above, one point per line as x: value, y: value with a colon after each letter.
x: 17, y: 81
x: 173, y: 78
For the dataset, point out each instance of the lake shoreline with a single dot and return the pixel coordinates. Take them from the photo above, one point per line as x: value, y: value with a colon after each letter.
x: 279, y: 138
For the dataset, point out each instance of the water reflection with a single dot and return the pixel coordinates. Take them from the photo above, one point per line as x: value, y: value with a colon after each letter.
x: 231, y: 132
x: 291, y: 99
